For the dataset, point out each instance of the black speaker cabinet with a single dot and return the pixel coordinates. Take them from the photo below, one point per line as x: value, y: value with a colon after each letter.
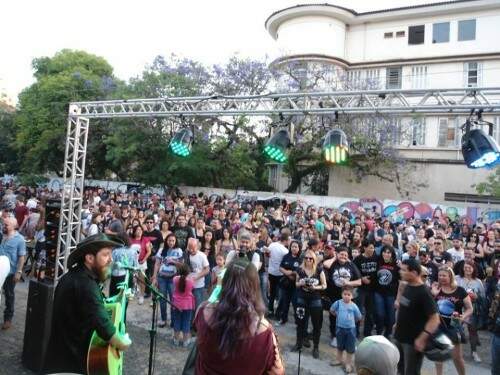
x: 38, y: 323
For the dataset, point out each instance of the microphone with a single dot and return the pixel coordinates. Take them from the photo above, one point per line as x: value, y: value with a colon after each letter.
x: 126, y: 267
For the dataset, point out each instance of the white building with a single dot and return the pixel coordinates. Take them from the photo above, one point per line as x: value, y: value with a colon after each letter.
x: 442, y: 45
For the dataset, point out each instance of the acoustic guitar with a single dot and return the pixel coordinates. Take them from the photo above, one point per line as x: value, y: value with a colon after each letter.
x: 103, y: 358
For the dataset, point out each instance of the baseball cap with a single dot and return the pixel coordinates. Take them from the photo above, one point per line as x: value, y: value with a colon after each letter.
x: 378, y: 355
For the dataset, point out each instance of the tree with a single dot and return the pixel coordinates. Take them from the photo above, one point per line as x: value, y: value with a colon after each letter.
x: 43, y: 107
x: 492, y: 184
x: 9, y: 159
x: 372, y: 138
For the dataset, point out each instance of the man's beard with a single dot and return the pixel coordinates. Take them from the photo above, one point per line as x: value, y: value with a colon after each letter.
x: 102, y: 273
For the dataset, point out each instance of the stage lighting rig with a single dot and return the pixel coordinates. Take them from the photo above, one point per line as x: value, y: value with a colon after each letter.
x: 480, y: 150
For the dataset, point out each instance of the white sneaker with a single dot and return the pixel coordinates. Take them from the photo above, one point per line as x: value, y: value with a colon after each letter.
x: 141, y: 300
x: 475, y: 357
x: 333, y: 343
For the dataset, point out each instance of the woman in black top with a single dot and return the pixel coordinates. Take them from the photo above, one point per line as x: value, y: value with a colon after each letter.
x: 310, y: 280
x: 289, y: 264
x: 455, y: 307
x: 386, y: 289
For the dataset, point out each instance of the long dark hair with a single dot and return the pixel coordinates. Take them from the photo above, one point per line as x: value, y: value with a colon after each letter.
x: 240, y: 302
x: 182, y: 271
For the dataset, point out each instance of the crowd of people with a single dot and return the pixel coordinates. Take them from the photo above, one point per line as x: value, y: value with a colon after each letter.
x: 366, y: 274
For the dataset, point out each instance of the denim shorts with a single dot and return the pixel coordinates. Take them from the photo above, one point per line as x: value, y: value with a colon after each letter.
x: 346, y: 339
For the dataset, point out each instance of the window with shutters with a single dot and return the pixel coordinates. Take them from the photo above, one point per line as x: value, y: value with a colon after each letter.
x: 393, y: 79
x: 417, y: 126
x: 472, y: 74
x: 448, y: 132
x: 416, y: 34
x: 373, y: 78
x: 419, y: 77
x: 354, y: 78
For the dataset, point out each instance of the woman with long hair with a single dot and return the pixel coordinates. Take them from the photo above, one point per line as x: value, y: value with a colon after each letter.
x: 455, y: 307
x: 166, y: 261
x: 226, y: 243
x: 144, y: 247
x: 386, y: 289
x: 233, y: 335
x: 208, y: 246
x: 164, y: 229
x: 475, y: 289
x: 310, y: 280
x: 289, y: 265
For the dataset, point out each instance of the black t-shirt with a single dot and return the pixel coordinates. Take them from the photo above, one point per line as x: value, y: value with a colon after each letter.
x: 387, y: 278
x: 448, y: 303
x: 183, y: 234
x: 432, y: 272
x: 337, y: 272
x: 156, y: 239
x: 314, y: 279
x: 415, y: 307
x: 442, y: 258
x: 367, y: 266
x: 290, y: 262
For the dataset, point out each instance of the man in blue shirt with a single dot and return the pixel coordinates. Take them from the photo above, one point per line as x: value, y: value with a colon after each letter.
x: 13, y: 247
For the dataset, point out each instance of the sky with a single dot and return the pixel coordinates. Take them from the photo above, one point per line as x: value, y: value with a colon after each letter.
x: 129, y: 34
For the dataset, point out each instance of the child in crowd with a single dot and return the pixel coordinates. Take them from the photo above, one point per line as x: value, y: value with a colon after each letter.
x: 347, y: 313
x: 183, y: 306
x: 217, y: 275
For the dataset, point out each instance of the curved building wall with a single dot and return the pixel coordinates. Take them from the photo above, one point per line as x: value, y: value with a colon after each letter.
x: 312, y: 35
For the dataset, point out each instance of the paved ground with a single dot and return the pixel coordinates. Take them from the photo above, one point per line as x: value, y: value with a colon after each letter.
x: 170, y: 360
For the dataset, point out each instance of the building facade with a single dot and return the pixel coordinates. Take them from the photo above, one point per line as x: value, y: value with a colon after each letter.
x: 442, y: 45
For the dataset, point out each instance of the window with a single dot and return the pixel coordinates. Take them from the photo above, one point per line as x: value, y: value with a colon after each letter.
x: 441, y: 32
x: 393, y: 79
x: 419, y: 77
x: 448, y: 132
x: 417, y: 126
x: 472, y: 74
x: 416, y: 34
x: 467, y: 30
x: 373, y: 78
x: 400, y: 34
x: 388, y: 35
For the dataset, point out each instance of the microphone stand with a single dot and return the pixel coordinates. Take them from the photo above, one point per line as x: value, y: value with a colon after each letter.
x: 155, y: 296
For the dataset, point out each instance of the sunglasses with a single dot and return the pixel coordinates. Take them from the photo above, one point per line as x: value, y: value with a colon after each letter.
x: 308, y: 258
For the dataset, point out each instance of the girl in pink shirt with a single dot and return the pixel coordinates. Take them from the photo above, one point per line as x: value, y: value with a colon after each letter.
x: 183, y: 306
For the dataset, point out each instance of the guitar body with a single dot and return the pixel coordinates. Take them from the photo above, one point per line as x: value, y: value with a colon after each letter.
x: 103, y: 358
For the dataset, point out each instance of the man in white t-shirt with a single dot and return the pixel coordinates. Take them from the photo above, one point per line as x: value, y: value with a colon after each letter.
x: 276, y: 252
x: 244, y: 250
x: 198, y: 263
x: 457, y: 251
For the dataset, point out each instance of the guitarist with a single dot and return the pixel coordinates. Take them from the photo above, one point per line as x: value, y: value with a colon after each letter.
x: 78, y: 308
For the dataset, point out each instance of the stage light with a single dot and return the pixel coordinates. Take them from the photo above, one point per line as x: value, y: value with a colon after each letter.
x: 181, y: 142
x: 479, y: 149
x: 335, y: 147
x: 275, y: 147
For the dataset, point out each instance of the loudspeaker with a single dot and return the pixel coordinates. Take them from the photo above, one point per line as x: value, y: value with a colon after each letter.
x: 38, y: 323
x: 52, y: 217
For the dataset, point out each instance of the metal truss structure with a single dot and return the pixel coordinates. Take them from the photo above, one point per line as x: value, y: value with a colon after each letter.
x: 395, y: 102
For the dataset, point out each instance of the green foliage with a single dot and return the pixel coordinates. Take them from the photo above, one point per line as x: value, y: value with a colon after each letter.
x: 31, y: 179
x: 492, y: 184
x: 42, y: 112
x: 9, y: 159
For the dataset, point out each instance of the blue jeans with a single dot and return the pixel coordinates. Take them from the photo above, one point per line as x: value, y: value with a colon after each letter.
x: 385, y: 313
x: 8, y: 288
x: 263, y: 287
x: 198, y: 297
x: 166, y: 287
x: 287, y: 295
x: 182, y: 320
x: 495, y: 355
